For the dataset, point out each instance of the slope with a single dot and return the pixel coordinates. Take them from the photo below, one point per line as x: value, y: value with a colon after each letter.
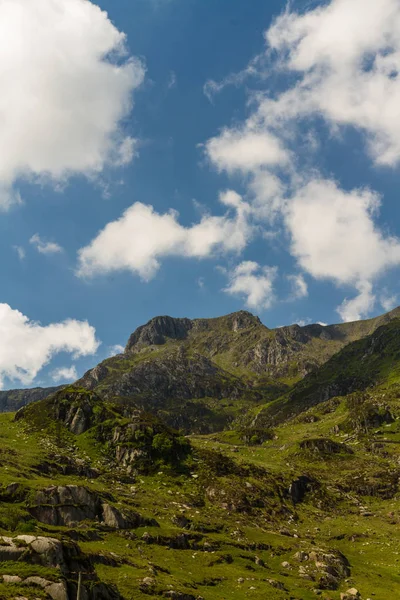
x: 202, y: 375
x: 93, y: 486
x: 371, y: 362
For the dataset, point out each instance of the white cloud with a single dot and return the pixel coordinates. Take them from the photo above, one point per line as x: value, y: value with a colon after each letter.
x: 388, y: 301
x: 254, y: 283
x: 245, y: 150
x: 299, y: 287
x: 27, y: 346
x: 67, y: 374
x: 349, y: 73
x: 334, y: 235
x: 360, y: 306
x: 141, y: 237
x: 67, y: 83
x: 114, y: 350
x: 303, y: 322
x: 350, y: 76
x: 45, y: 247
x: 20, y: 251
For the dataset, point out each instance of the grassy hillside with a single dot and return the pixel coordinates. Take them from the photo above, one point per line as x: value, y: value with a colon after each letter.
x: 204, y: 375
x: 310, y: 512
x: 276, y: 491
x: 373, y: 361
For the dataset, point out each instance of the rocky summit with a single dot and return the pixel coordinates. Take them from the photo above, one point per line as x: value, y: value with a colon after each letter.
x: 212, y: 459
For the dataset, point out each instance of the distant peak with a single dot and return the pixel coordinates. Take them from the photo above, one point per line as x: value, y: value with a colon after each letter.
x: 242, y: 320
x: 157, y: 330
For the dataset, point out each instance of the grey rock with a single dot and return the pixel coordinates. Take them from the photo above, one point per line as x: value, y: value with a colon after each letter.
x: 11, y: 579
x: 57, y: 591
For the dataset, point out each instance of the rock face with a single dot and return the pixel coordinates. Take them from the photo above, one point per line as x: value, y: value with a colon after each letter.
x: 190, y: 372
x: 156, y: 331
x: 70, y: 505
x: 299, y: 488
x: 325, y: 446
x: 326, y: 567
x: 13, y: 400
x: 50, y: 552
x: 179, y: 376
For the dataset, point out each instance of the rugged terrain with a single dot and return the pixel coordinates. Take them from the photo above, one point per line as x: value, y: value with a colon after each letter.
x: 213, y: 459
x: 12, y: 400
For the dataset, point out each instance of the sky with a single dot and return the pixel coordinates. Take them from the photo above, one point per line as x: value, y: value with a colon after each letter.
x: 192, y: 158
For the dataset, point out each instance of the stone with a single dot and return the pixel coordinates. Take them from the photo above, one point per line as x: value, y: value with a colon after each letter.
x: 49, y: 550
x: 276, y: 584
x: 11, y: 552
x: 113, y: 518
x: 28, y: 539
x: 57, y: 591
x: 11, y: 579
x: 301, y: 556
x: 39, y: 581
x: 353, y: 593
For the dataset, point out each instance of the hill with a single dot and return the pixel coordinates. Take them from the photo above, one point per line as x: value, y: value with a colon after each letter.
x: 202, y: 375
x: 207, y: 462
x: 12, y: 400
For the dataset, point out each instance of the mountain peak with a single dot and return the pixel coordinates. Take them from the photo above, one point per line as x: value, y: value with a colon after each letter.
x: 157, y: 330
x: 242, y: 319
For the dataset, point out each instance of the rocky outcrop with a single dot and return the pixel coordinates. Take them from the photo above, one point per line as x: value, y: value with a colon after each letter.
x: 179, y: 376
x: 300, y: 487
x: 51, y: 552
x: 326, y: 567
x: 157, y: 331
x: 68, y: 505
x: 142, y: 443
x: 325, y: 446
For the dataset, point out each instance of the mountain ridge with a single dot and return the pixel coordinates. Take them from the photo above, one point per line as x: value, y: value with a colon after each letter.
x: 192, y: 467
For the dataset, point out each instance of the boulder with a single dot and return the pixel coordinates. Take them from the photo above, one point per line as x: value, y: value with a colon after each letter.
x: 11, y: 579
x: 57, y: 591
x: 39, y: 581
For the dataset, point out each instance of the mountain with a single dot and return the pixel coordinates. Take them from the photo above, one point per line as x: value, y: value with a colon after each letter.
x: 370, y: 363
x: 12, y: 400
x: 212, y: 459
x: 202, y: 375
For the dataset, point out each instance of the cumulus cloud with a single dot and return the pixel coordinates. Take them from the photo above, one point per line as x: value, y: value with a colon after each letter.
x: 142, y: 237
x: 388, y: 301
x: 334, y: 235
x: 67, y: 374
x: 67, y: 83
x: 299, y: 287
x: 114, y: 350
x: 360, y: 306
x: 253, y: 283
x: 27, y: 346
x: 45, y: 247
x: 245, y: 150
x: 348, y: 74
x: 350, y: 77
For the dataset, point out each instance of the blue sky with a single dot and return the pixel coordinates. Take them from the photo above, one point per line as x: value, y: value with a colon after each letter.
x: 219, y: 156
